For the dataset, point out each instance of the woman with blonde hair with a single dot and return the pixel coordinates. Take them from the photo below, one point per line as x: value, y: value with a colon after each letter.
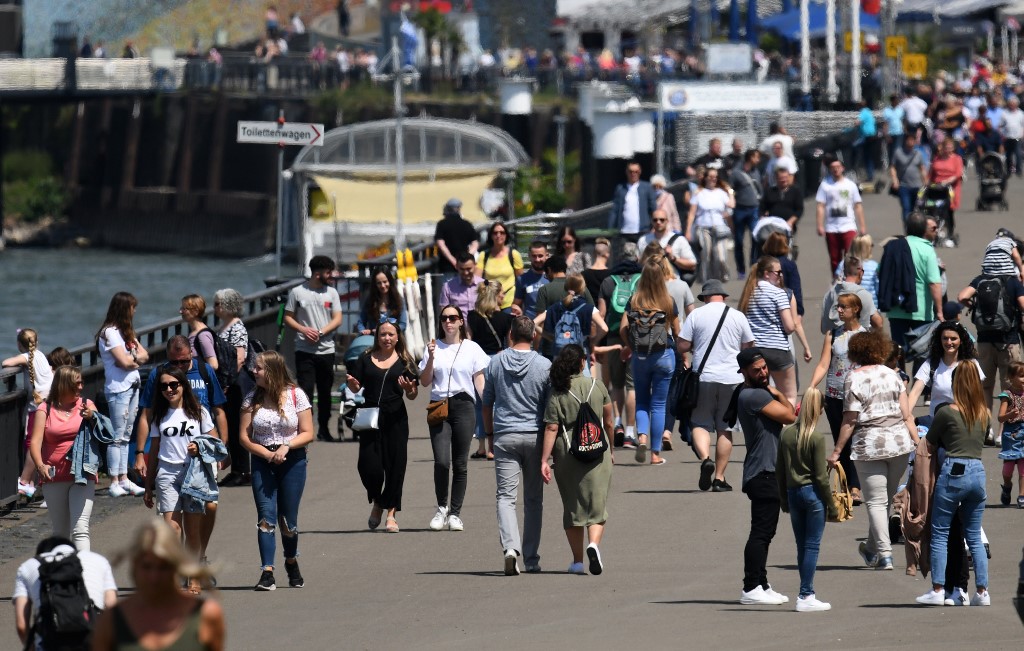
x: 157, y: 615
x: 709, y: 224
x: 805, y: 493
x: 649, y: 326
x: 862, y: 248
x: 959, y: 428
x: 38, y: 376
x: 488, y: 325
x: 276, y: 427
x: 770, y: 312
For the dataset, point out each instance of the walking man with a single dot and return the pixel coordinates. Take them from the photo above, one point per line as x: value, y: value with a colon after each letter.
x: 716, y: 362
x: 1011, y: 125
x: 907, y: 172
x: 840, y: 212
x: 461, y: 290
x: 633, y: 204
x: 853, y: 272
x: 745, y: 181
x: 677, y: 248
x: 515, y: 393
x: 454, y: 235
x: 528, y: 284
x: 313, y: 311
x: 915, y: 300
x: 762, y: 411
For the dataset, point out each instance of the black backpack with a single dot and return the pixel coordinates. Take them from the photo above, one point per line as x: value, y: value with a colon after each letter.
x: 227, y: 359
x: 66, y: 612
x: 588, y: 441
x: 994, y: 309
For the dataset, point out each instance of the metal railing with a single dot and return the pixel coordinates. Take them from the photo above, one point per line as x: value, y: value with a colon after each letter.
x: 90, y: 74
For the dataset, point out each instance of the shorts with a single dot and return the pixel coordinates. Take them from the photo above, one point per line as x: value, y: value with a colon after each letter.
x: 776, y: 359
x: 620, y: 373
x: 713, y: 399
x: 169, y: 479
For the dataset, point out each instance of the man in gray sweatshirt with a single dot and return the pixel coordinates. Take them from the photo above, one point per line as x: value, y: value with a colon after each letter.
x: 515, y: 394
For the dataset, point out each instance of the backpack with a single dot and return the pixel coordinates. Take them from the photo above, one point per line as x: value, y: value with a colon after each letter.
x: 588, y: 441
x: 993, y: 310
x: 66, y: 612
x: 227, y: 359
x: 648, y: 331
x: 568, y: 329
x: 254, y: 348
x: 624, y: 288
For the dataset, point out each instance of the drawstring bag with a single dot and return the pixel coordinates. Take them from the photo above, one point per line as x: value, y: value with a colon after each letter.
x: 840, y: 494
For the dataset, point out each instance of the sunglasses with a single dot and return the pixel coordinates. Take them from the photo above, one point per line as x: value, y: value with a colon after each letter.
x: 170, y: 386
x: 659, y: 221
x: 181, y: 363
x: 498, y: 233
x: 450, y: 318
x: 387, y: 319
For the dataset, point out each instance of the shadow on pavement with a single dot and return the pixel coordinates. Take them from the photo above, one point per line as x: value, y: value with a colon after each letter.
x: 680, y: 491
x: 825, y: 568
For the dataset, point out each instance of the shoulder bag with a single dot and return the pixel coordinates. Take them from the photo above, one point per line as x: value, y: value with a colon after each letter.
x: 368, y: 418
x: 687, y: 380
x: 840, y: 494
x: 437, y: 410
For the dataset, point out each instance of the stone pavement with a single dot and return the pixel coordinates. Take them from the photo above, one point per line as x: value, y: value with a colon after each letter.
x: 673, y: 555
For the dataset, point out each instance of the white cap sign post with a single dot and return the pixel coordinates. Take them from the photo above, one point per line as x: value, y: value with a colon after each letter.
x: 280, y: 133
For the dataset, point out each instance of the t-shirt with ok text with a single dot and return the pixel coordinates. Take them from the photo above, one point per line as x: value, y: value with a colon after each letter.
x: 176, y: 431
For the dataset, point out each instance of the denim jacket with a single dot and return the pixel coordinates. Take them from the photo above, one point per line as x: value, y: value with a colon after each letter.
x: 85, y: 453
x: 200, y: 484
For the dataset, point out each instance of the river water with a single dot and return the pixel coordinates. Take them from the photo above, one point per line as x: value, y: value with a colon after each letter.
x: 63, y: 293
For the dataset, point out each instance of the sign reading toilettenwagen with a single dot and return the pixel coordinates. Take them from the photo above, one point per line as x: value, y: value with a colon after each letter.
x: 715, y: 97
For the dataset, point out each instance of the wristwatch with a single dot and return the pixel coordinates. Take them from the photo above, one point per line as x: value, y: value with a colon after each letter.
x: 140, y: 452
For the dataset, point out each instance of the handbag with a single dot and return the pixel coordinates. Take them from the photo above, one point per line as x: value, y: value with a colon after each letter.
x: 368, y: 418
x: 840, y: 494
x: 687, y: 381
x: 437, y: 410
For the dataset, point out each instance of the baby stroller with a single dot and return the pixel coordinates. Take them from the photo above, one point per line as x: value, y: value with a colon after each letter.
x: 935, y: 200
x: 767, y: 225
x: 351, y: 401
x: 992, y: 180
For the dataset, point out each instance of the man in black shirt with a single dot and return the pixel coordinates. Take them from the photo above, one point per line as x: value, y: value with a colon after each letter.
x: 784, y: 200
x: 454, y: 235
x: 713, y: 157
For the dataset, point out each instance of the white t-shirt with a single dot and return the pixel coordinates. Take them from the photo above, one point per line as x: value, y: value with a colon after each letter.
x: 631, y: 209
x: 117, y: 379
x: 96, y: 574
x: 698, y: 329
x: 680, y: 248
x: 839, y: 198
x: 44, y: 377
x: 913, y: 109
x: 711, y: 207
x: 176, y: 431
x: 942, y: 385
x: 1011, y: 124
x: 460, y: 365
x: 787, y: 144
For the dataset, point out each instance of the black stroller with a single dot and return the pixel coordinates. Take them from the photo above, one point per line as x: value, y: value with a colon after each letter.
x: 935, y: 200
x: 992, y: 180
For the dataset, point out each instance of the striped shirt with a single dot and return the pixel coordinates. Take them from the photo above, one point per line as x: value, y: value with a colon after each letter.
x: 999, y: 258
x: 763, y: 312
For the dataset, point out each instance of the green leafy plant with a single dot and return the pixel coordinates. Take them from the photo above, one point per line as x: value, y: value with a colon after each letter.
x: 31, y: 192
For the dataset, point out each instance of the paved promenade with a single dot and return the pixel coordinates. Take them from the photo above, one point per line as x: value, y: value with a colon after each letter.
x: 673, y: 555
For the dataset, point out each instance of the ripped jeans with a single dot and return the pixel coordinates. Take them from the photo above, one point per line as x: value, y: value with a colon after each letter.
x: 277, y: 489
x: 123, y: 407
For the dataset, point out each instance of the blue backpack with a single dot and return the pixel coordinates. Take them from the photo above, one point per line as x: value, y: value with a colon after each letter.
x: 568, y: 329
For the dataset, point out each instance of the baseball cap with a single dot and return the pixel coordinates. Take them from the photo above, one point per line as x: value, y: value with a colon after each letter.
x: 748, y: 356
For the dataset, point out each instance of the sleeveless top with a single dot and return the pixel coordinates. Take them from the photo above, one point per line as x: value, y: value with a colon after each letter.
x: 187, y: 641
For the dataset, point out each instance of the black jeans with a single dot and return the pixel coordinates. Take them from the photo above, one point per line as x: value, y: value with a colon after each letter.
x: 240, y: 460
x: 834, y: 414
x: 314, y: 370
x: 450, y: 443
x: 763, y: 492
x: 383, y: 457
x: 957, y: 568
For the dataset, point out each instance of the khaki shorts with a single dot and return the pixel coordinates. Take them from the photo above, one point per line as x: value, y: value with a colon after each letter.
x: 713, y: 400
x: 993, y: 357
x: 620, y: 373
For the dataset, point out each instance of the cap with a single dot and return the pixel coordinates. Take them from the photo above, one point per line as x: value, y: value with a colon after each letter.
x: 453, y: 204
x: 748, y: 356
x: 1005, y: 232
x: 712, y: 288
x: 951, y: 310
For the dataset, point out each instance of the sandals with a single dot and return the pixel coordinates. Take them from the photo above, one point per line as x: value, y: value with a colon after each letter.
x: 391, y: 526
x: 478, y: 455
x: 374, y: 520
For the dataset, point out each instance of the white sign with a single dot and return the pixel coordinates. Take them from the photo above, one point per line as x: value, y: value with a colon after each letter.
x: 729, y: 59
x: 288, y: 133
x: 705, y: 97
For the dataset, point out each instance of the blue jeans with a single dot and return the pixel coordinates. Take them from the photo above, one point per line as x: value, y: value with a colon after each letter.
x: 277, y: 489
x: 122, y: 407
x: 743, y: 220
x: 807, y: 514
x: 907, y: 198
x: 965, y: 493
x: 652, y: 376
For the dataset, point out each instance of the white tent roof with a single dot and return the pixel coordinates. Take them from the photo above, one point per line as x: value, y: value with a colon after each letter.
x: 948, y: 8
x: 610, y: 13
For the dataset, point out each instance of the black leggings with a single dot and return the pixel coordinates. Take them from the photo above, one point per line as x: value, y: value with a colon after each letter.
x: 450, y: 443
x: 834, y: 414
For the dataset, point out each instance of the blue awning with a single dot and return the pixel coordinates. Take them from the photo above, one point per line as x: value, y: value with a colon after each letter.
x: 787, y: 23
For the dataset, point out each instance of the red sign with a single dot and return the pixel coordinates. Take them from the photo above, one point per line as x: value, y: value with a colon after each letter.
x: 873, y: 7
x: 442, y: 6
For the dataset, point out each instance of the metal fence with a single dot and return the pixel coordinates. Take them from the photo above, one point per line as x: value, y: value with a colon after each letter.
x: 90, y: 74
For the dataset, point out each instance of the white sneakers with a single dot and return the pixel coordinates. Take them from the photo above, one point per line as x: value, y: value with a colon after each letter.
x: 932, y: 598
x: 576, y: 568
x: 511, y: 563
x: 28, y: 490
x: 454, y: 523
x: 956, y: 598
x: 438, y: 521
x: 594, y: 556
x: 132, y: 488
x: 811, y: 604
x: 981, y: 599
x: 115, y: 490
x: 761, y: 597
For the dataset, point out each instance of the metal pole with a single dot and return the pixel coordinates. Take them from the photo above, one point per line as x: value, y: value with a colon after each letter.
x: 830, y: 47
x: 280, y: 196
x: 855, y: 50
x: 660, y: 139
x: 399, y: 147
x: 560, y: 120
x: 805, y: 47
x: 1004, y: 37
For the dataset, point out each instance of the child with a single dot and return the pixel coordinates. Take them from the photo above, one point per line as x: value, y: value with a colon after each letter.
x: 862, y: 247
x: 805, y: 492
x: 1011, y: 415
x: 60, y: 356
x: 37, y: 380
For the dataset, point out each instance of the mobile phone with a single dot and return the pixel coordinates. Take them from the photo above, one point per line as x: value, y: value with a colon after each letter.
x: 51, y: 472
x: 957, y: 469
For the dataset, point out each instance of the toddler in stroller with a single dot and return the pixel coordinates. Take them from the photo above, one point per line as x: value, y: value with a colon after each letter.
x: 767, y: 225
x: 935, y: 200
x: 351, y: 401
x: 992, y: 176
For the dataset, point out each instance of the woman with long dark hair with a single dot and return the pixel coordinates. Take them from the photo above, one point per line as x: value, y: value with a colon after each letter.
x: 122, y: 354
x: 177, y: 419
x: 387, y: 372
x: 583, y: 486
x: 770, y: 312
x: 384, y: 300
x: 453, y: 367
x: 951, y: 344
x: 649, y: 326
x: 277, y: 425
x: 567, y: 245
x: 959, y: 428
x: 709, y: 224
x: 500, y: 263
